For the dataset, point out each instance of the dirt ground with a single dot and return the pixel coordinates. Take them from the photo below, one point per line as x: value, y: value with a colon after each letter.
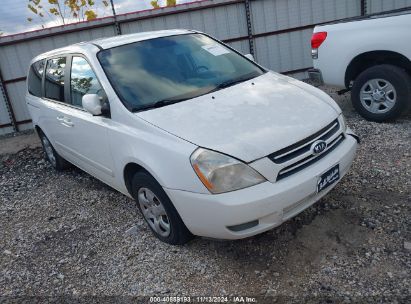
x: 16, y: 142
x: 67, y: 234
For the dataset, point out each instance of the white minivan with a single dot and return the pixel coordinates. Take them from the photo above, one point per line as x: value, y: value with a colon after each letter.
x: 206, y: 141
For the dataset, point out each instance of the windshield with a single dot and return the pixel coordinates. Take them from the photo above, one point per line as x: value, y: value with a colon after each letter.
x: 172, y: 69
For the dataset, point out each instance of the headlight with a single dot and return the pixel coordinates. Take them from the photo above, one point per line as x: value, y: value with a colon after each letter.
x: 221, y: 173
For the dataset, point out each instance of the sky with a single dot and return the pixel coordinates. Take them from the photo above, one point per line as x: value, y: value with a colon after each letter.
x: 14, y: 13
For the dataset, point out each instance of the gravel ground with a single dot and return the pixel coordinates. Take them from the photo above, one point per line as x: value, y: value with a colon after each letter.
x: 69, y: 234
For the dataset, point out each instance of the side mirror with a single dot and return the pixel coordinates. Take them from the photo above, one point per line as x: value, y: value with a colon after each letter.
x: 92, y: 104
x: 249, y: 56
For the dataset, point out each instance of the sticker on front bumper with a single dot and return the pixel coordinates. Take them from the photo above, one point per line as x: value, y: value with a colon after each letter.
x: 328, y: 178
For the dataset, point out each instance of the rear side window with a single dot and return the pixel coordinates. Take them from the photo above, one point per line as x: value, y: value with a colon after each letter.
x: 54, y: 80
x: 83, y: 81
x: 35, y: 77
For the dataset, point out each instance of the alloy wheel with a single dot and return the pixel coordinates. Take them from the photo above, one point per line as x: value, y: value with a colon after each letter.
x: 378, y: 96
x: 49, y: 150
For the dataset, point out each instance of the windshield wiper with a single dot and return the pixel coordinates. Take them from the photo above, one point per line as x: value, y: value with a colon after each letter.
x: 168, y: 101
x: 231, y: 82
x: 158, y: 104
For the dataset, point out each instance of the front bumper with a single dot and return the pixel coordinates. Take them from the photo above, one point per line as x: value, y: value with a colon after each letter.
x: 267, y: 204
x: 316, y: 77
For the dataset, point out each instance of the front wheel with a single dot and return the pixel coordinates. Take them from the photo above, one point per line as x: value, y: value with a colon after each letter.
x: 58, y: 162
x: 158, y: 211
x: 381, y: 93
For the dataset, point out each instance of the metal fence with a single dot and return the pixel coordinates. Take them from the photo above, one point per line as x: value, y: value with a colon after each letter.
x: 277, y: 32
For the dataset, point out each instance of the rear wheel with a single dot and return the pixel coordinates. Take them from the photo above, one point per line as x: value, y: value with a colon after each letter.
x: 381, y: 93
x: 58, y: 162
x: 158, y: 211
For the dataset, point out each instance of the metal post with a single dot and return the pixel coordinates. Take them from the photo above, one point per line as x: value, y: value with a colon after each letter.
x: 116, y: 24
x: 249, y: 27
x: 363, y: 7
x: 8, y: 104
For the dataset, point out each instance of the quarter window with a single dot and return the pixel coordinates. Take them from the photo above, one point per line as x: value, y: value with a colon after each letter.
x: 54, y: 82
x: 83, y: 81
x: 35, y: 77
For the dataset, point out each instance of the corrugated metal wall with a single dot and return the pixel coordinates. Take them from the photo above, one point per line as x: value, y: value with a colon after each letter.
x: 224, y: 22
x: 291, y: 50
x: 377, y: 6
x: 280, y: 32
x: 4, y: 117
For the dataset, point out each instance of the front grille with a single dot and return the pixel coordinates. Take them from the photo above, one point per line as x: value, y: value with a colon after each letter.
x: 298, y: 156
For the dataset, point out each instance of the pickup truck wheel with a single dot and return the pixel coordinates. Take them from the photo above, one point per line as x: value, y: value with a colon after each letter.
x: 158, y: 211
x: 58, y: 162
x: 381, y: 93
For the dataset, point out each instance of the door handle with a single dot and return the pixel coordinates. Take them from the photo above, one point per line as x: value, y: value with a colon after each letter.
x: 67, y: 122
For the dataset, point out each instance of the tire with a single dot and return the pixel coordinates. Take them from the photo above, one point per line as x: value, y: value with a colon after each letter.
x: 58, y: 162
x: 393, y: 95
x: 158, y: 209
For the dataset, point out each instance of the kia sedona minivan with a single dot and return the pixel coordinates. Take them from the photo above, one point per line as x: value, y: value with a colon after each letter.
x: 206, y: 141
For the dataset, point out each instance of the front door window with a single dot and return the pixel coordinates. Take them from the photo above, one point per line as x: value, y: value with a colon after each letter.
x: 83, y: 81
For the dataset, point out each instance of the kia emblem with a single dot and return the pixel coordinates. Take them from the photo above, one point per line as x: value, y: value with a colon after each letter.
x: 318, y: 147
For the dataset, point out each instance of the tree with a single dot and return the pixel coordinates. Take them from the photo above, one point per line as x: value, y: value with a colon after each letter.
x: 65, y: 11
x: 82, y: 85
x: 155, y: 4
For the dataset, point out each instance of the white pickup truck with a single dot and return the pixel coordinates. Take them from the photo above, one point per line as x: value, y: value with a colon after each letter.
x: 372, y: 58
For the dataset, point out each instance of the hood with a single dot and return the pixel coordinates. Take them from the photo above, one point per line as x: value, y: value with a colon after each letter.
x: 249, y: 120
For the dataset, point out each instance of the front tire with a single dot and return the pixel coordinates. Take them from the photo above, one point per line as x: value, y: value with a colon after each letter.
x: 381, y: 93
x: 58, y: 162
x: 158, y: 211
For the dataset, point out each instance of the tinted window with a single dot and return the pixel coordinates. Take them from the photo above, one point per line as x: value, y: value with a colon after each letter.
x: 176, y: 67
x: 54, y: 81
x: 83, y: 81
x: 34, y: 79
